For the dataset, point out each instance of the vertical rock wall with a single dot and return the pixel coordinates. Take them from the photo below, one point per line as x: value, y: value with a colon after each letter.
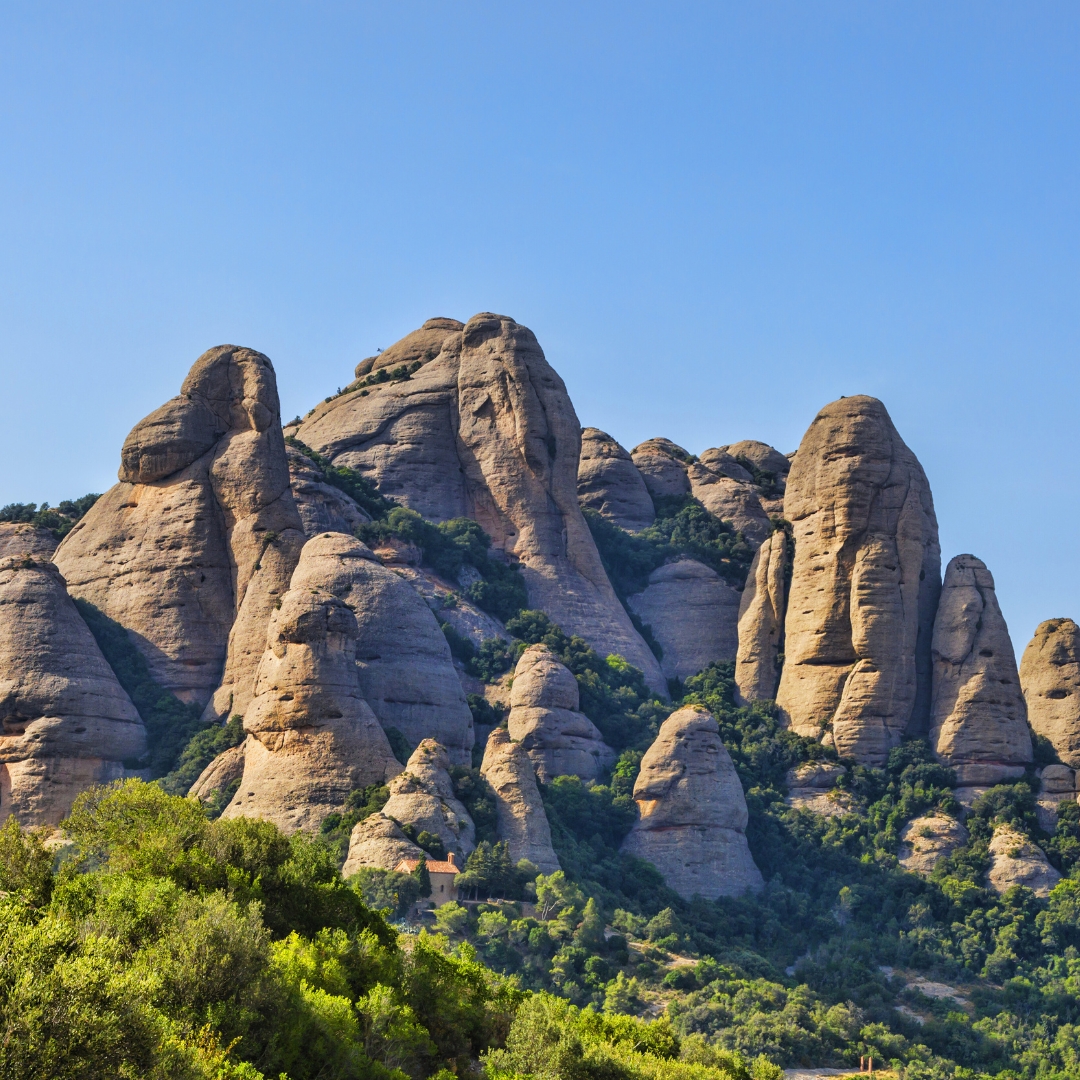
x: 1050, y: 679
x: 761, y: 621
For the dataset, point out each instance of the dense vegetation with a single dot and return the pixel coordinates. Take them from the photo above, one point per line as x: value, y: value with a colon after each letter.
x: 59, y: 520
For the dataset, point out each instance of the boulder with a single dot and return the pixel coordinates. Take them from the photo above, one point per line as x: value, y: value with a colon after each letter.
x: 423, y: 797
x: 377, y: 841
x: 662, y: 465
x: 978, y: 718
x: 477, y: 424
x: 545, y: 719
x: 522, y: 822
x: 1050, y: 680
x: 65, y: 722
x: 864, y: 586
x: 609, y: 482
x: 204, y: 516
x: 692, y: 812
x: 761, y: 622
x: 322, y: 507
x: 312, y: 739
x: 693, y: 614
x: 812, y: 786
x: 929, y: 838
x: 1015, y: 860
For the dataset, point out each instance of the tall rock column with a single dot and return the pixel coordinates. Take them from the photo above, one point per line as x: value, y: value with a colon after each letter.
x: 978, y: 717
x: 865, y: 583
x: 761, y: 621
x: 203, y: 515
x: 1050, y: 679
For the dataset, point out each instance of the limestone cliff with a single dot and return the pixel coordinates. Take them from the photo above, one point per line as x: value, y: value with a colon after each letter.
x: 1050, y: 679
x: 864, y: 586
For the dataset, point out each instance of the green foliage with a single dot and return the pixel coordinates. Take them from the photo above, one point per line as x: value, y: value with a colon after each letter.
x: 387, y: 890
x: 494, y: 658
x: 489, y: 871
x: 59, y: 520
x: 25, y: 864
x: 336, y: 828
x: 170, y: 724
x: 361, y: 490
x: 400, y: 745
x: 422, y: 878
x: 201, y: 749
x: 475, y: 792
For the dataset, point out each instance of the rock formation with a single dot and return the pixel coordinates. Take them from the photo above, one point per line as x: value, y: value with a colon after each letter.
x: 761, y: 622
x: 692, y: 811
x: 608, y: 482
x: 472, y: 421
x: 1050, y: 679
x: 312, y: 738
x: 978, y: 717
x: 191, y: 550
x: 1057, y: 784
x: 693, y: 614
x: 812, y: 786
x: 545, y: 719
x: 65, y: 722
x: 864, y: 587
x: 522, y: 822
x: 662, y: 465
x: 377, y: 841
x: 727, y: 490
x: 927, y: 839
x: 322, y: 507
x: 423, y: 797
x: 1015, y: 860
x: 224, y: 771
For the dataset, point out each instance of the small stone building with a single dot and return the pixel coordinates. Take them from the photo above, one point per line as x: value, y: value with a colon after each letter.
x: 442, y: 875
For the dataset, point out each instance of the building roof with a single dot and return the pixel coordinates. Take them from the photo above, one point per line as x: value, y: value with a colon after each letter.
x: 407, y: 866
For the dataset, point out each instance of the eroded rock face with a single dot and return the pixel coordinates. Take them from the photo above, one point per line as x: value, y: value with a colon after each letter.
x: 545, y: 719
x: 65, y: 722
x: 693, y: 614
x: 812, y: 786
x: 662, y: 465
x: 978, y: 716
x: 761, y: 622
x: 927, y: 839
x: 1057, y: 784
x: 1015, y: 860
x: 423, y: 796
x: 692, y: 811
x: 609, y: 482
x: 732, y: 499
x: 864, y: 587
x: 378, y: 841
x: 483, y: 428
x: 312, y: 738
x: 322, y: 507
x: 203, y: 515
x: 1050, y: 679
x: 761, y: 455
x: 227, y: 768
x: 523, y: 824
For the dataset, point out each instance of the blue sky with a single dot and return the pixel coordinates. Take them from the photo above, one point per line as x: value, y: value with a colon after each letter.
x: 715, y: 217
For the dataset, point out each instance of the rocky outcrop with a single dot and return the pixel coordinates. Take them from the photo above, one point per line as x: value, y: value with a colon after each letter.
x: 864, y: 586
x: 203, y: 516
x: 1050, y: 680
x: 727, y: 490
x: 978, y: 718
x: 423, y: 797
x: 522, y: 822
x: 760, y: 455
x: 693, y: 614
x: 608, y: 482
x: 312, y: 738
x: 928, y: 839
x: 448, y: 605
x: 377, y: 841
x: 692, y: 811
x: 65, y: 722
x: 1057, y: 784
x: 545, y: 719
x: 1015, y: 860
x: 812, y: 786
x: 224, y: 771
x: 473, y: 422
x: 322, y: 507
x: 761, y: 622
x: 662, y: 465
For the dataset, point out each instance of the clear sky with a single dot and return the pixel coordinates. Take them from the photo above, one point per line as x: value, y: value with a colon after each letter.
x: 716, y: 217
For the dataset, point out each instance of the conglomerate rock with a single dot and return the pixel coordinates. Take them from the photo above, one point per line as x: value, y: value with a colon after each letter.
x: 192, y: 548
x: 761, y: 622
x: 732, y: 498
x: 522, y: 822
x: 545, y: 719
x: 65, y: 721
x: 608, y: 481
x: 662, y: 465
x: 311, y: 737
x: 978, y: 717
x: 423, y: 796
x: 928, y: 839
x: 322, y: 507
x: 1015, y: 860
x: 1050, y: 679
x: 693, y: 614
x: 473, y: 422
x: 864, y: 586
x: 692, y: 811
x: 377, y: 841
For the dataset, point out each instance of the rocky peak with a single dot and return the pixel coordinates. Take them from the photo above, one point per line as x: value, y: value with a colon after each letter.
x: 663, y: 466
x: 609, y: 482
x: 978, y: 716
x: 864, y: 587
x: 762, y: 606
x: 692, y: 810
x: 1050, y: 679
